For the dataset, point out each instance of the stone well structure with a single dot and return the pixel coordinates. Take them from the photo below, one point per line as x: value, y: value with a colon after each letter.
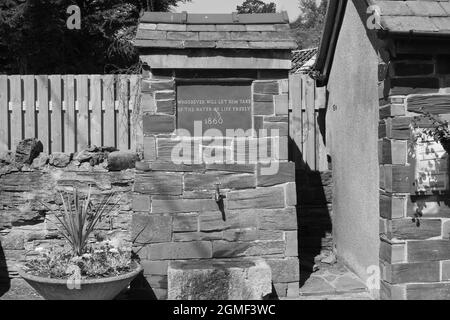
x: 199, y: 193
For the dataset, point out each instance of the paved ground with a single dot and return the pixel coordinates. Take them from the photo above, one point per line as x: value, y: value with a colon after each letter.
x: 334, y: 282
x: 19, y: 290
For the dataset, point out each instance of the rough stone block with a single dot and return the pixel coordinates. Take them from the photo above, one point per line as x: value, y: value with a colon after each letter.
x: 291, y: 244
x: 250, y: 234
x: 185, y: 223
x: 263, y: 108
x: 219, y: 280
x: 271, y: 197
x: 165, y: 106
x: 225, y: 249
x: 184, y: 206
x: 238, y: 168
x: 208, y: 180
x: 178, y: 250
x: 281, y: 104
x: 278, y: 219
x: 285, y: 270
x: 428, y: 291
x: 428, y: 250
x: 165, y: 95
x: 280, y: 290
x: 406, y: 229
x: 393, y: 252
x: 282, y: 128
x: 293, y: 290
x: 165, y: 148
x: 232, y: 219
x: 197, y: 236
x: 158, y: 124
x: 141, y: 203
x: 148, y: 103
x: 60, y: 159
x: 411, y: 272
x: 151, y: 228
x: 266, y: 87
x: 121, y: 160
x: 290, y: 191
x: 157, y: 183
x: 27, y: 150
x: 284, y: 174
x: 150, y: 148
x: 284, y: 85
x: 214, y: 36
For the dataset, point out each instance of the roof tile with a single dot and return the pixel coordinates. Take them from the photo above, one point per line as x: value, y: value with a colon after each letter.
x: 426, y: 8
x: 408, y: 23
x: 260, y: 27
x: 229, y: 31
x: 430, y: 16
x: 441, y: 23
x: 177, y: 35
x: 231, y: 27
x: 394, y: 8
x: 232, y: 45
x: 214, y: 36
x: 201, y: 27
x: 171, y: 27
x: 199, y: 44
x: 150, y: 34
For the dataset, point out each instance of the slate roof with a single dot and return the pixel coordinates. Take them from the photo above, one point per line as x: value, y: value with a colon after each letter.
x: 215, y: 31
x: 303, y: 60
x: 419, y: 16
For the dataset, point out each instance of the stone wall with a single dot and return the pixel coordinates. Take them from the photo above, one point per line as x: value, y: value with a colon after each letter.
x: 28, y: 191
x: 414, y: 211
x: 176, y: 216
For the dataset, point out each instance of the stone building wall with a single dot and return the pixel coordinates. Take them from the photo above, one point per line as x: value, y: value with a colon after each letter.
x: 176, y: 216
x: 27, y: 193
x: 414, y: 211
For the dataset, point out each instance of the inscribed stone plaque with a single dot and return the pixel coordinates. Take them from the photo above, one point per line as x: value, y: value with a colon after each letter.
x: 217, y: 105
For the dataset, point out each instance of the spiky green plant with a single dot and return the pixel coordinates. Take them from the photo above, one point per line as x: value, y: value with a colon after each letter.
x: 78, y: 217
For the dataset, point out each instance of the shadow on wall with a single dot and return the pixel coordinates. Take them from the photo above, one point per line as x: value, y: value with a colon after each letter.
x: 313, y: 211
x: 5, y: 282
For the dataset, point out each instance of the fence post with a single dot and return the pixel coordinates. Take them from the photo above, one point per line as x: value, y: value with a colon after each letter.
x: 4, y: 110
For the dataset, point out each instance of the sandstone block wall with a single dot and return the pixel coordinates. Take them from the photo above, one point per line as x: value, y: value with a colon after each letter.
x: 176, y: 216
x: 27, y: 193
x: 414, y: 211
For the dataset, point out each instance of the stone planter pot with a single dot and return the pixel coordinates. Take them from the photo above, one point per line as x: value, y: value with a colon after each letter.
x: 91, y: 289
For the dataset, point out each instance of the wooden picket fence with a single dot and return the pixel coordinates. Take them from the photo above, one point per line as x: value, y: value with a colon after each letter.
x: 69, y: 112
x: 307, y: 105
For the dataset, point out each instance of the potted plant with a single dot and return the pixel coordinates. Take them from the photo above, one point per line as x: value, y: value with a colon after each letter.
x: 85, y: 269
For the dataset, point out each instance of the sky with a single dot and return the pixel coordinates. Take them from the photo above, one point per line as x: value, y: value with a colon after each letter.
x: 228, y: 6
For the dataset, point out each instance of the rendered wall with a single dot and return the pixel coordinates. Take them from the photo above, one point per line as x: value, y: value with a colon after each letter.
x: 352, y: 132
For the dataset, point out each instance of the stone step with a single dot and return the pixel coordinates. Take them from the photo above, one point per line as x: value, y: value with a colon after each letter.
x: 237, y: 279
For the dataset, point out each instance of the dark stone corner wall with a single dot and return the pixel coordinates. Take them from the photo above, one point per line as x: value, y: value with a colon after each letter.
x: 414, y: 254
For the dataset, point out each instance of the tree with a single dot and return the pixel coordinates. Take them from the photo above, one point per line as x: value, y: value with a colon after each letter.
x: 256, y: 6
x: 34, y: 37
x: 308, y: 27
